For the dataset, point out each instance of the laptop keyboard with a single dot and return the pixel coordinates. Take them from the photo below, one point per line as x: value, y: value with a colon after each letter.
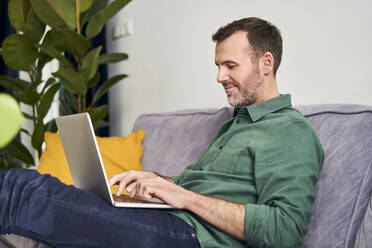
x: 127, y: 198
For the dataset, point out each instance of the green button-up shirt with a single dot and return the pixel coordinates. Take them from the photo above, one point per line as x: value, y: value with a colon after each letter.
x: 268, y: 157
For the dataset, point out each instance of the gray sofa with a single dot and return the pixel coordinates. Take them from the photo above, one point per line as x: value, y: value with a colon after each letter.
x: 342, y: 211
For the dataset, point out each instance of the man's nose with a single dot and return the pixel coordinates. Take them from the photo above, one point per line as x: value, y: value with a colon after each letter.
x: 222, y: 76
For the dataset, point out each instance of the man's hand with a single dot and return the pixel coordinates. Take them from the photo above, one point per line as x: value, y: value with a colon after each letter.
x: 149, y: 185
x: 128, y: 179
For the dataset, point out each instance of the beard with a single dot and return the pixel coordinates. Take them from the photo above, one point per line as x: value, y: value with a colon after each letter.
x: 247, y: 92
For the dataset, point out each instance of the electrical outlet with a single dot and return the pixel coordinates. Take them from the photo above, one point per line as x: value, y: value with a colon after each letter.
x: 122, y: 30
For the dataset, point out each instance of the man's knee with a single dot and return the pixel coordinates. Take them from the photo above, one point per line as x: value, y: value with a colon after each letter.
x: 20, y: 174
x: 23, y: 180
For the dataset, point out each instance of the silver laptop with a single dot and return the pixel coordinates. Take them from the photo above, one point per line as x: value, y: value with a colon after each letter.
x: 85, y: 162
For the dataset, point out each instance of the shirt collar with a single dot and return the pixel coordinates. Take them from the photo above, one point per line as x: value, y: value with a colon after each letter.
x: 259, y: 110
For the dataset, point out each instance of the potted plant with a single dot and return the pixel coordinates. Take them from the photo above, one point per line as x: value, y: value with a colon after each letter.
x: 73, y: 23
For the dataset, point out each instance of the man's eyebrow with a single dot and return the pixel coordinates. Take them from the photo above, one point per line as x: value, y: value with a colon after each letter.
x: 226, y: 62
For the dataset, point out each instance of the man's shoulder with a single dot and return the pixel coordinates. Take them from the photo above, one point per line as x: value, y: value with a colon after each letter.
x: 286, y: 116
x: 294, y: 115
x: 289, y: 120
x: 291, y: 126
x: 297, y: 125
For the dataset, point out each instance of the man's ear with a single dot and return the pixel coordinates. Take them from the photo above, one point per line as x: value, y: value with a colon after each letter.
x: 267, y: 63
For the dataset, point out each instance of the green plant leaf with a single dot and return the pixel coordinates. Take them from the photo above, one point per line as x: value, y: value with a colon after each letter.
x: 94, y: 80
x: 66, y: 110
x: 28, y: 96
x: 47, y: 99
x: 9, y: 162
x: 97, y: 22
x: 100, y: 124
x: 77, y: 44
x: 38, y: 136
x: 25, y: 131
x: 67, y: 40
x: 19, y: 52
x: 34, y: 28
x: 90, y: 64
x: 49, y: 82
x: 27, y: 116
x: 53, y: 53
x: 11, y: 119
x: 106, y: 86
x: 99, y: 113
x: 42, y: 60
x: 85, y: 4
x: 12, y: 84
x: 3, y: 163
x: 112, y: 58
x: 17, y: 150
x: 71, y: 100
x: 96, y: 6
x: 37, y: 82
x: 56, y: 13
x: 23, y: 83
x: 17, y: 12
x: 71, y: 80
x: 53, y: 38
x: 51, y: 126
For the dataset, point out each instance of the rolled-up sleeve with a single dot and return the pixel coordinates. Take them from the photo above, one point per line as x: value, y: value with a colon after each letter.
x: 286, y: 172
x: 175, y: 179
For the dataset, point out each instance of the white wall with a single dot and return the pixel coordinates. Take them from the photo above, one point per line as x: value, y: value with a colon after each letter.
x: 326, y: 59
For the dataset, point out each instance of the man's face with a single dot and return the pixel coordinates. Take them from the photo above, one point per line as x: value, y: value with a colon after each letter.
x: 237, y: 72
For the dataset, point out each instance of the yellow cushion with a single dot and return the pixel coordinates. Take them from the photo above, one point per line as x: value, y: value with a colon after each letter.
x: 119, y: 154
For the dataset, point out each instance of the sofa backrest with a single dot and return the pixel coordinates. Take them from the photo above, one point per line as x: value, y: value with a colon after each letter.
x: 177, y: 139
x: 345, y: 182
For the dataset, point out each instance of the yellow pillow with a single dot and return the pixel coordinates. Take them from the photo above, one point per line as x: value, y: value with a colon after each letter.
x: 119, y: 154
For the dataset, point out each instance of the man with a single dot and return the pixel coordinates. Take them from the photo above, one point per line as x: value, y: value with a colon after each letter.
x: 253, y: 187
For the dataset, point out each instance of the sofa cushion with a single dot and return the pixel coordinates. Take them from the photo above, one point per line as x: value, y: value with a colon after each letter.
x: 364, y: 237
x: 345, y: 181
x: 177, y: 139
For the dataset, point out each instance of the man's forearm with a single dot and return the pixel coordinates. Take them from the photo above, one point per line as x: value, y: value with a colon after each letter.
x: 227, y: 216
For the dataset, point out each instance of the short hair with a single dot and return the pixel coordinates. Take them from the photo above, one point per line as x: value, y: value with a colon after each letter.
x: 262, y: 36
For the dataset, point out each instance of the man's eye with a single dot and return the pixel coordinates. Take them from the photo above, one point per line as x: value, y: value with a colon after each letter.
x: 231, y: 66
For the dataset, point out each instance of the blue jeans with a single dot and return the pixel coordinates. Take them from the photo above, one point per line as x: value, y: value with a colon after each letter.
x: 44, y: 209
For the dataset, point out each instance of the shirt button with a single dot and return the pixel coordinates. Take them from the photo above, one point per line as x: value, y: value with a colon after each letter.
x: 220, y: 147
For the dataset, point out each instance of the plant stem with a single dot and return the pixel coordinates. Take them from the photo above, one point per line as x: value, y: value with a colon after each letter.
x: 35, y: 107
x: 78, y: 16
x: 79, y: 96
x: 84, y: 103
x: 78, y: 31
x: 30, y: 75
x: 34, y: 115
x: 79, y: 105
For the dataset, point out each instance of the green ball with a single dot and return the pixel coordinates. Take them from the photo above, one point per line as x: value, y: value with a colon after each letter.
x: 11, y: 119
